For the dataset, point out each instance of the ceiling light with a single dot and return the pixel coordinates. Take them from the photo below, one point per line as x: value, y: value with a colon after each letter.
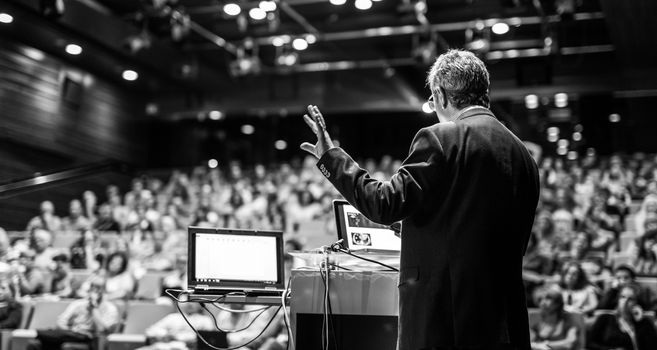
x: 338, y: 2
x: 311, y: 39
x: 614, y: 118
x: 299, y: 44
x: 531, y: 101
x: 267, y: 5
x: 561, y: 100
x: 552, y: 137
x: 212, y: 163
x: 572, y: 155
x: 73, y: 49
x: 553, y: 130
x: 577, y: 136
x: 215, y: 115
x: 426, y: 108
x: 562, y: 151
x: 6, y: 18
x: 232, y: 9
x: 248, y: 129
x: 280, y: 145
x: 563, y: 143
x: 500, y: 28
x: 287, y: 59
x: 257, y: 13
x: 363, y: 4
x: 130, y: 75
x: 277, y: 41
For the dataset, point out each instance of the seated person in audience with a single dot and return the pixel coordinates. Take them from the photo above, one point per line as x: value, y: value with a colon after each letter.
x: 645, y: 254
x: 537, y: 269
x: 82, y: 251
x: 82, y: 321
x: 625, y: 275
x: 62, y: 276
x: 11, y: 311
x: 563, y: 231
x: 41, y: 243
x: 172, y: 332
x: 159, y: 259
x: 46, y: 220
x: 31, y: 279
x: 119, y: 284
x: 105, y: 220
x: 578, y: 293
x: 648, y: 206
x: 5, y: 247
x: 75, y: 221
x: 556, y: 328
x: 626, y: 328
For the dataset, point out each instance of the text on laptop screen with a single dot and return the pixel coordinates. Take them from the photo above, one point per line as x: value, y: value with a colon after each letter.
x: 362, y: 233
x: 235, y: 257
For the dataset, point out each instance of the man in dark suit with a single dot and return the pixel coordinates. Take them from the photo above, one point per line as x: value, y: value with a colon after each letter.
x: 466, y: 195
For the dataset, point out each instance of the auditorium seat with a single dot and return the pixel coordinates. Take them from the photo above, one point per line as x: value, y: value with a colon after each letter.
x: 149, y: 286
x: 140, y: 316
x: 6, y: 334
x: 43, y: 315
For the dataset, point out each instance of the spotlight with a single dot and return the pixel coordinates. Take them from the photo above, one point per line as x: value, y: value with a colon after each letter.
x: 247, y: 129
x: 73, y: 49
x: 280, y: 145
x: 531, y: 101
x: 51, y: 8
x: 561, y: 100
x: 267, y: 5
x: 257, y: 13
x: 6, y: 18
x: 232, y: 9
x: 500, y: 28
x: 215, y: 115
x: 363, y: 4
x: 338, y: 2
x: 130, y: 75
x: 212, y: 163
x: 426, y: 108
x: 311, y: 39
x: 299, y: 44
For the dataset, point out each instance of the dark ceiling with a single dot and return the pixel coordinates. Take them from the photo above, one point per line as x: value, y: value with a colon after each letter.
x: 561, y: 45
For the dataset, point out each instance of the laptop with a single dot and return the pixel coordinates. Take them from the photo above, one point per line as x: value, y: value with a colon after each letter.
x: 223, y: 261
x: 360, y: 234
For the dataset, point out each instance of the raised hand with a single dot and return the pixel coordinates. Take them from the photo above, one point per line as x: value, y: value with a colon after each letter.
x: 316, y: 123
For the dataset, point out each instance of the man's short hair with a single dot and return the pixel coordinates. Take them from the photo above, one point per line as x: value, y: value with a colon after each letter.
x: 628, y: 268
x: 462, y: 76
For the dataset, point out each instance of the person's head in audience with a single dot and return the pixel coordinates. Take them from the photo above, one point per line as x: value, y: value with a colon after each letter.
x: 117, y: 263
x: 624, y: 275
x: 96, y: 291
x: 26, y: 259
x: 543, y: 225
x: 580, y: 244
x: 105, y: 211
x: 550, y: 302
x: 6, y: 292
x: 573, y: 276
x: 627, y: 307
x: 648, y: 246
x: 41, y: 240
x: 75, y: 208
x: 47, y: 208
x: 650, y: 223
x: 563, y: 223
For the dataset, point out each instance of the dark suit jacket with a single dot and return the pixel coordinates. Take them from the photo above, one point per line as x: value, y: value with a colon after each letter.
x: 466, y: 195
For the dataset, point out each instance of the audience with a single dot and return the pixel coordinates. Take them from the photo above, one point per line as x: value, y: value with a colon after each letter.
x: 11, y: 311
x: 584, y: 209
x: 172, y: 332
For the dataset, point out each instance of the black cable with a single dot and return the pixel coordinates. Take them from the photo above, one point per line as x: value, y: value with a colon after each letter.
x: 178, y: 302
x: 230, y: 348
x: 234, y: 330
x: 331, y: 323
x: 342, y: 250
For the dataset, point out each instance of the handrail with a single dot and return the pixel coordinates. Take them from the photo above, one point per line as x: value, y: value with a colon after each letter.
x: 40, y: 181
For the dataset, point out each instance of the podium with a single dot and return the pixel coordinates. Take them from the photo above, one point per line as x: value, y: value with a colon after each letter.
x: 364, y: 304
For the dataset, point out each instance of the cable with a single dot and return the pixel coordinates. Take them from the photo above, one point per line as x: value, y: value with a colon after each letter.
x: 178, y: 302
x: 342, y: 250
x: 262, y: 310
x: 285, y: 316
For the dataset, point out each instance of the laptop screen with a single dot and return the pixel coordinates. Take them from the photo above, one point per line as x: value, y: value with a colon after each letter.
x: 360, y: 233
x: 235, y: 260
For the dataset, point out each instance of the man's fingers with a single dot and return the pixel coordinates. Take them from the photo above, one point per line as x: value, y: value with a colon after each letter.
x: 308, y: 147
x: 310, y: 123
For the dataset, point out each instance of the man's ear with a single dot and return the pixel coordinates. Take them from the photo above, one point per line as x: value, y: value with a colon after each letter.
x: 443, y: 97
